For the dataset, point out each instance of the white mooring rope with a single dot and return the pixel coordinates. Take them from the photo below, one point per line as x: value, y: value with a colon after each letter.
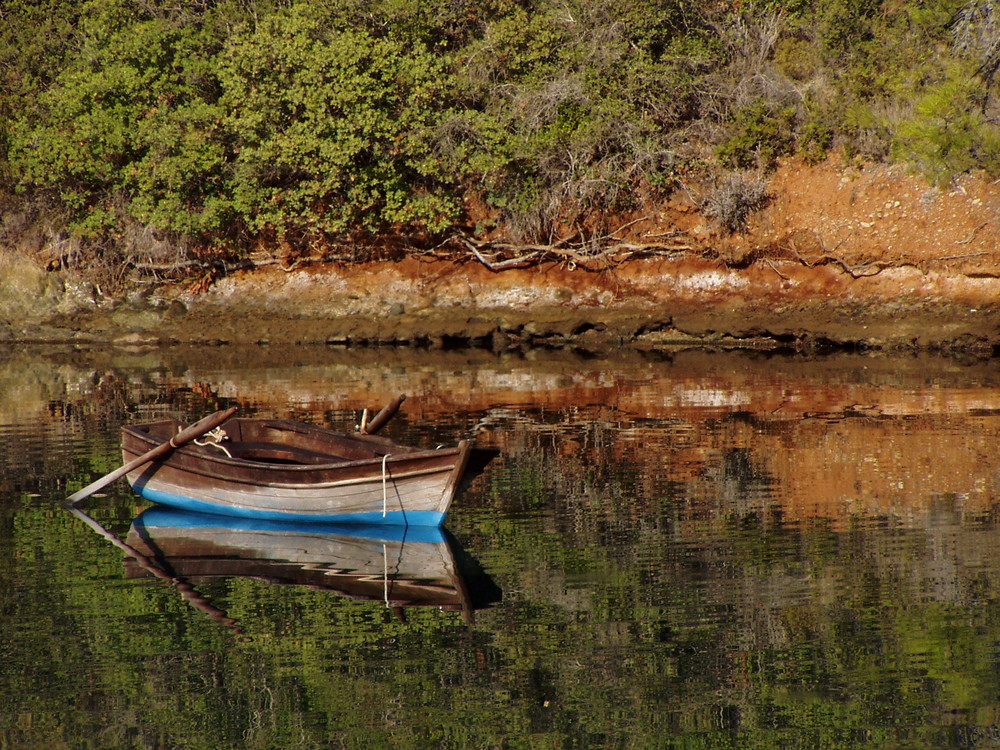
x: 385, y: 492
x: 214, y: 439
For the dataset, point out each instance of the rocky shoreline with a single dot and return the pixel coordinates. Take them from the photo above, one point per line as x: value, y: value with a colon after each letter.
x: 842, y: 258
x: 649, y: 304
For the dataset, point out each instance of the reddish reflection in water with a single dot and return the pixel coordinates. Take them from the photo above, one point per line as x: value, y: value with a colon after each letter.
x: 835, y: 437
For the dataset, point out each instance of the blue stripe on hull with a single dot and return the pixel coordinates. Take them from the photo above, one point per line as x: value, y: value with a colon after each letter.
x: 160, y: 516
x: 393, y: 518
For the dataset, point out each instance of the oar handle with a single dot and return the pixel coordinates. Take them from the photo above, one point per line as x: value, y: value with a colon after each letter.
x: 186, y: 435
x: 388, y: 412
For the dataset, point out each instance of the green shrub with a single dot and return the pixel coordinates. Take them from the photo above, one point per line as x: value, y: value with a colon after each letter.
x: 947, y: 132
x: 130, y: 127
x: 761, y: 133
x: 329, y: 127
x: 566, y: 108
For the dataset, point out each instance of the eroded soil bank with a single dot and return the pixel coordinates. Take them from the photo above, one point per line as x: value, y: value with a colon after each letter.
x: 843, y: 256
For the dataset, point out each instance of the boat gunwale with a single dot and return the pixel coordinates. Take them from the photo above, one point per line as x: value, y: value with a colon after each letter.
x: 199, y: 453
x: 331, y: 484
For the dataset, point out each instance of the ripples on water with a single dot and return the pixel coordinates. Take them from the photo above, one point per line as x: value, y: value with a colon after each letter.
x: 701, y: 551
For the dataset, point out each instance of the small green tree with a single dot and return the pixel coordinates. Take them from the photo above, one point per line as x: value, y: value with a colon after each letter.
x: 947, y: 133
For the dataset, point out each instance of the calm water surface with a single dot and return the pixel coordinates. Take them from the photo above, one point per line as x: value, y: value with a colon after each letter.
x: 694, y: 551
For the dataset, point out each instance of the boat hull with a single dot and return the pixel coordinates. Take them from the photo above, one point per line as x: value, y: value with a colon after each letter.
x: 320, y: 476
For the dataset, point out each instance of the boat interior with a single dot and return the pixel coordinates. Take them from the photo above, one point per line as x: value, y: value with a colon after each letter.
x: 281, y: 441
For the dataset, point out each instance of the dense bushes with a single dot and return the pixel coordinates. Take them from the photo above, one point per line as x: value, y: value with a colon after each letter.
x: 329, y: 127
x: 130, y: 127
x: 217, y: 123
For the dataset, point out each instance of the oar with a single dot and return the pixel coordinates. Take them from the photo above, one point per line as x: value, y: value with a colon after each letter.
x: 379, y: 420
x: 196, y: 430
x: 154, y: 568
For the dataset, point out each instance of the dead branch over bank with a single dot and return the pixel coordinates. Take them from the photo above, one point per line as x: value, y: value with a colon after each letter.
x: 594, y: 256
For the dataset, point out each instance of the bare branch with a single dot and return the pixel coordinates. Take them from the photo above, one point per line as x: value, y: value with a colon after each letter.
x: 590, y: 254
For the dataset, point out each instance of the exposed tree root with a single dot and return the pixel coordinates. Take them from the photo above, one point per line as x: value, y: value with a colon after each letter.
x: 596, y: 254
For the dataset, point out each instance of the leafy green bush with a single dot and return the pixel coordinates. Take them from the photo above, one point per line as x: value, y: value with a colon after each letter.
x: 329, y: 127
x: 565, y: 108
x: 129, y: 127
x: 815, y: 135
x: 761, y: 133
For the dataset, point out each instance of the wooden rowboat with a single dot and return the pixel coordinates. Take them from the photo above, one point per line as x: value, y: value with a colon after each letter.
x: 277, y: 469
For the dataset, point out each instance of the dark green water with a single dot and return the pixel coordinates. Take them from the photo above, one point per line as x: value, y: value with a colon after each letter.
x: 700, y: 551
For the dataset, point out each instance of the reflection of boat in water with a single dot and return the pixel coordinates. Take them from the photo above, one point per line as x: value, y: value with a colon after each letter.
x: 398, y: 565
